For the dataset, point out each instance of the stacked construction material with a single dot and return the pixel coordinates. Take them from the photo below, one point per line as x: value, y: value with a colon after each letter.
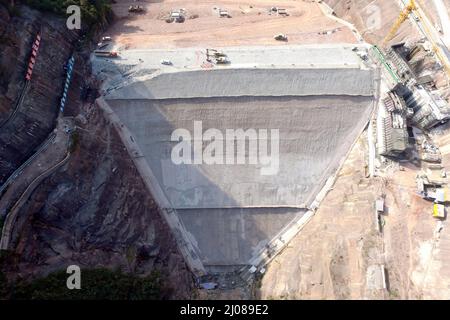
x: 402, y: 67
x: 32, y: 61
x: 393, y: 126
x: 69, y: 67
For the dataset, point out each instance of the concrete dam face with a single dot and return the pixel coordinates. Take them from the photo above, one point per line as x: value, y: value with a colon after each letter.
x: 305, y: 119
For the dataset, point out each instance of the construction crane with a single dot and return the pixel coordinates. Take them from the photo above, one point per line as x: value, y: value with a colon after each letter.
x: 401, y: 18
x: 411, y: 7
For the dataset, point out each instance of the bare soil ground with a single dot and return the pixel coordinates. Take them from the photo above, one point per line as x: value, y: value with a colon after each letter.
x: 408, y: 224
x: 430, y: 10
x: 373, y: 18
x: 329, y: 257
x: 431, y: 273
x: 250, y: 24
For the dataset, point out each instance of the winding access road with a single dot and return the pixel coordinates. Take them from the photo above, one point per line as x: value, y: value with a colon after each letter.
x: 12, y: 216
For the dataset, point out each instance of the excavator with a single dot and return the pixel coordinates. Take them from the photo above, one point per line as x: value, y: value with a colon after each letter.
x: 412, y: 7
x: 218, y: 56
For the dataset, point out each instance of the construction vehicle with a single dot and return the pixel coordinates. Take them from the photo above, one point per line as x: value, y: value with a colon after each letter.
x: 135, y: 9
x: 222, y: 60
x: 438, y: 211
x: 279, y: 11
x: 166, y: 62
x: 412, y: 8
x: 224, y: 13
x: 102, y: 45
x: 282, y: 12
x: 109, y: 54
x: 281, y: 37
x: 218, y: 56
x: 177, y: 16
x: 215, y: 53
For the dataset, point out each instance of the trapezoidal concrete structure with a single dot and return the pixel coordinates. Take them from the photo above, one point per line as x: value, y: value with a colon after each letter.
x: 230, y: 214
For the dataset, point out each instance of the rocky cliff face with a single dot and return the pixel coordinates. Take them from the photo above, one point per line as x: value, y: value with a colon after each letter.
x: 35, y: 117
x: 11, y: 52
x: 95, y: 210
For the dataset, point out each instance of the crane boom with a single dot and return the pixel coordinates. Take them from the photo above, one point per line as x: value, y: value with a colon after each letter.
x: 401, y: 18
x: 412, y: 7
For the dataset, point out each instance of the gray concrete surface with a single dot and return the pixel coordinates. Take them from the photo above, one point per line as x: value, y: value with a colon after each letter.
x: 185, y: 245
x: 325, y: 55
x: 139, y: 65
x: 232, y: 212
x: 235, y: 236
x: 314, y: 134
x: 250, y: 82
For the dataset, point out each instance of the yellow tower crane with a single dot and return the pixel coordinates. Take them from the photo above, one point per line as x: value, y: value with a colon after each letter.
x: 407, y: 10
x: 401, y: 18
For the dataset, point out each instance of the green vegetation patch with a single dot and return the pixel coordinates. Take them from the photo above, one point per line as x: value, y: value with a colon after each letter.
x: 74, y: 142
x: 95, y: 284
x: 93, y: 12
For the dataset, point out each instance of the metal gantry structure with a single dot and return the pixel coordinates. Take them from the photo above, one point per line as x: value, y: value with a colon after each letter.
x: 382, y: 59
x: 412, y: 8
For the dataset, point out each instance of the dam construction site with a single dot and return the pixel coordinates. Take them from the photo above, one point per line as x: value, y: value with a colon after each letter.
x: 255, y: 150
x: 232, y: 217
